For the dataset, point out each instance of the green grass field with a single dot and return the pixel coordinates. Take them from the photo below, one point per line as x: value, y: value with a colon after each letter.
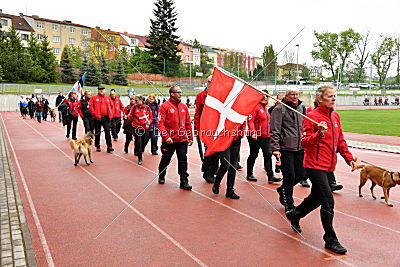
x: 379, y: 122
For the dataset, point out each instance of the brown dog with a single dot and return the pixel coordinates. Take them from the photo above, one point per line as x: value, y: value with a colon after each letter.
x: 385, y: 179
x: 52, y: 114
x: 83, y: 146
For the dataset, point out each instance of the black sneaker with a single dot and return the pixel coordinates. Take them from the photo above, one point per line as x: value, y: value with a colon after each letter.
x: 126, y: 151
x: 161, y: 180
x: 185, y: 186
x: 251, y: 178
x: 336, y: 247
x: 215, y: 189
x: 336, y: 187
x: 231, y: 194
x: 274, y: 179
x: 154, y: 153
x: 239, y: 167
x: 304, y: 183
x: 289, y: 208
x: 294, y: 220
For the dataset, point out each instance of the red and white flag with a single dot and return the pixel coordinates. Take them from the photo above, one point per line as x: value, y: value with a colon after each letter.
x: 228, y: 104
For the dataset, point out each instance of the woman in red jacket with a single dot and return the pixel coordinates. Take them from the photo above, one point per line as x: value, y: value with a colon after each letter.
x: 73, y: 106
x: 321, y: 144
x: 142, y: 118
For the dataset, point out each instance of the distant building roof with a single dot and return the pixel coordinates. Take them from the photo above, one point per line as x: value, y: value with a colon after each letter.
x: 65, y: 22
x: 209, y: 49
x: 143, y: 40
x: 18, y: 22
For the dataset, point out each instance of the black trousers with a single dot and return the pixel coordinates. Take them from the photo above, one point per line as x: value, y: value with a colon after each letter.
x: 229, y: 159
x: 321, y: 195
x: 74, y: 122
x: 167, y: 151
x: 128, y: 139
x: 153, y: 137
x: 292, y: 172
x: 265, y: 144
x: 44, y: 114
x: 88, y: 123
x: 115, y: 127
x: 105, y: 122
x: 140, y: 138
x: 32, y: 113
x: 210, y: 165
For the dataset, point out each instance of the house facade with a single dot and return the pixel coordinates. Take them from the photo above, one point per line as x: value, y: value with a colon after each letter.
x: 189, y: 54
x: 104, y: 43
x: 22, y: 28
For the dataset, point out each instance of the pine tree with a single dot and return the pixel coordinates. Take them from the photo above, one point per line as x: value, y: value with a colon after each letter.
x: 162, y: 38
x: 104, y: 72
x: 92, y: 75
x: 1, y: 74
x: 84, y: 67
x: 119, y: 78
x: 48, y: 61
x: 67, y: 72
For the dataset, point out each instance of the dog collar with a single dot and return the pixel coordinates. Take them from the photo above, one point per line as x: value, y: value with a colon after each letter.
x: 391, y: 176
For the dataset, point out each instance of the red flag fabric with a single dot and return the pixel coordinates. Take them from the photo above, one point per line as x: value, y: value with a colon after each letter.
x: 228, y: 103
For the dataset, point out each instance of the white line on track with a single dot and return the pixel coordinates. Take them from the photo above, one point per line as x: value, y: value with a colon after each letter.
x: 222, y: 204
x: 39, y: 228
x: 141, y: 215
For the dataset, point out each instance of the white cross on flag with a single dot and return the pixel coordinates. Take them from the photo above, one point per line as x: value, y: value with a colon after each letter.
x: 228, y: 103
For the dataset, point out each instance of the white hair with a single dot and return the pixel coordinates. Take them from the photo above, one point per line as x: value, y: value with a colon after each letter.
x: 291, y: 89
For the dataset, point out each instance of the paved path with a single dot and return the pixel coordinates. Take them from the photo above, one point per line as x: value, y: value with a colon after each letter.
x: 16, y: 245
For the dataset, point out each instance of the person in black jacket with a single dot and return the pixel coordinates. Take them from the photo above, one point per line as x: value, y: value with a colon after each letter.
x: 31, y: 108
x: 45, y: 108
x: 60, y: 98
x: 84, y: 112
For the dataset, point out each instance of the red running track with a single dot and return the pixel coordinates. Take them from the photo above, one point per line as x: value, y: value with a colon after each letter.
x: 167, y: 226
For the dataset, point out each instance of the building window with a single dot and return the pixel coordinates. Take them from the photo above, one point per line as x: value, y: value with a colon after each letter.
x: 72, y: 30
x: 112, y: 38
x: 98, y: 47
x: 71, y: 41
x: 196, y: 58
x: 56, y: 51
x: 133, y: 41
x: 56, y: 39
x: 187, y: 49
x: 24, y: 36
x: 85, y: 43
x: 58, y: 62
x: 40, y: 25
x: 4, y: 22
x: 55, y: 27
x: 85, y: 32
x: 187, y: 58
x: 86, y: 54
x: 196, y: 50
x: 40, y: 37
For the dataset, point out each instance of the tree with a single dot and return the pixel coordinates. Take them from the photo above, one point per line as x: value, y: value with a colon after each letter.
x: 1, y: 74
x: 383, y: 56
x: 305, y: 72
x: 67, y: 72
x: 269, y: 61
x: 362, y: 54
x: 140, y: 61
x: 397, y: 46
x: 348, y: 41
x: 92, y: 75
x: 84, y: 67
x: 119, y: 77
x: 325, y: 50
x: 104, y: 72
x: 288, y: 67
x: 75, y: 55
x: 47, y: 61
x: 162, y: 37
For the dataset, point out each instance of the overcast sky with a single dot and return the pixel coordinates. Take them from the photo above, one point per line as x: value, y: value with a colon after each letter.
x: 237, y: 24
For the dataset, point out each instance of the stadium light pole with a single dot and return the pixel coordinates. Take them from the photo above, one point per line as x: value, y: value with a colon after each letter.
x: 370, y: 83
x: 297, y: 64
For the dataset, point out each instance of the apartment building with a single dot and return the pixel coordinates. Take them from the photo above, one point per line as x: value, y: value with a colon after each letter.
x: 130, y: 42
x: 104, y: 43
x: 61, y: 33
x: 22, y: 28
x: 189, y: 54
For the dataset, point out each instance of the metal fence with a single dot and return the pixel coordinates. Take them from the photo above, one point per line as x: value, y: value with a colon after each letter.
x: 27, y: 89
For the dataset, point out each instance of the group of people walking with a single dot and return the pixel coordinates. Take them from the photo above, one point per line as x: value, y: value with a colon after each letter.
x: 37, y: 107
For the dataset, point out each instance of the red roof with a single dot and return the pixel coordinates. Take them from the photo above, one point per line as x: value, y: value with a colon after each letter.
x: 18, y: 22
x: 143, y: 40
x: 57, y: 21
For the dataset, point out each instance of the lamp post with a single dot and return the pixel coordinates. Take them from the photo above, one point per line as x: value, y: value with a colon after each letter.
x: 297, y: 63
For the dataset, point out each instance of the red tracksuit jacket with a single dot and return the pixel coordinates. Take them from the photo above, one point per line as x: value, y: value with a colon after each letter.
x: 117, y: 107
x: 95, y: 106
x: 174, y: 121
x: 320, y: 152
x: 258, y: 121
x: 140, y: 116
x: 74, y: 106
x: 200, y: 101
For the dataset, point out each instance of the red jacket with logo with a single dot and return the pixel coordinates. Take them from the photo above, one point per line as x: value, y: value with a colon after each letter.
x: 258, y: 121
x: 200, y: 101
x: 174, y: 121
x: 74, y: 106
x: 95, y: 106
x: 320, y: 151
x: 117, y: 107
x: 141, y: 115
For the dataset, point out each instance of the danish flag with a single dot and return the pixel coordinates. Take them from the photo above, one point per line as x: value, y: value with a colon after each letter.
x: 229, y: 102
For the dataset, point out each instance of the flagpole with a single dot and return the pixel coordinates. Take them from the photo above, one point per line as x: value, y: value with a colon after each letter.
x: 70, y: 91
x: 266, y: 94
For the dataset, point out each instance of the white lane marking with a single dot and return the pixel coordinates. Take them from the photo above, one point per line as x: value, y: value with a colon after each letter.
x: 141, y: 215
x: 39, y: 228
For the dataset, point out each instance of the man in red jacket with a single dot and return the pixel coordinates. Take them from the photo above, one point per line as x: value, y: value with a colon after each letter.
x: 210, y: 163
x: 322, y: 143
x: 176, y: 133
x: 258, y: 124
x: 118, y: 108
x: 101, y: 109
